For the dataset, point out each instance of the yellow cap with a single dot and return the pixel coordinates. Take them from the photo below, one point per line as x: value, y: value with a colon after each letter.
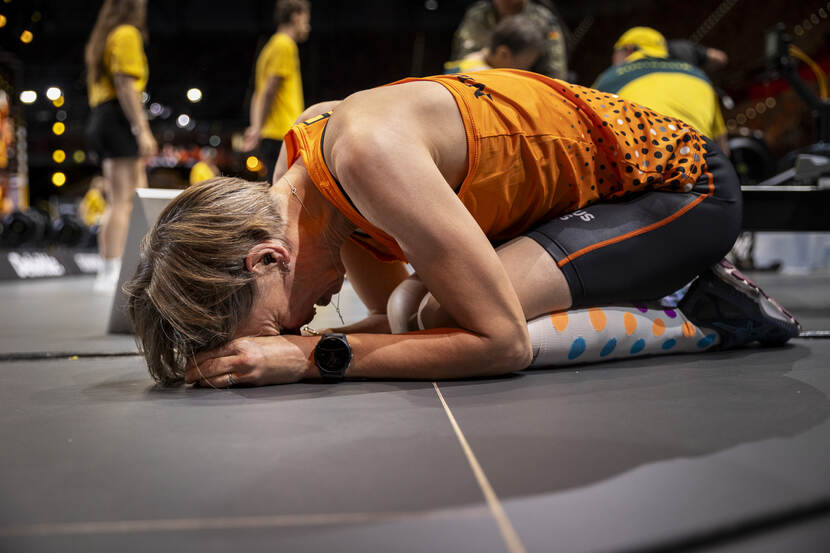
x: 648, y: 42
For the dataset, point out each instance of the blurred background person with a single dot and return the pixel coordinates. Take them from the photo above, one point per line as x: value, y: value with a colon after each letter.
x: 118, y: 131
x: 707, y: 58
x: 517, y: 42
x: 278, y: 96
x: 481, y: 18
x: 643, y: 73
x: 205, y: 168
x: 93, y: 205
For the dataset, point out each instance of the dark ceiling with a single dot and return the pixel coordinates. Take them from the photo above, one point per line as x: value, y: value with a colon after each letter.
x: 212, y: 44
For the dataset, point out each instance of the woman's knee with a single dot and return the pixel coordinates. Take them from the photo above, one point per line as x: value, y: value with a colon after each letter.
x: 432, y: 315
x: 403, y: 303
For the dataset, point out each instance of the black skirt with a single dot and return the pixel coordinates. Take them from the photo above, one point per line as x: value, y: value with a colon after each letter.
x: 108, y: 133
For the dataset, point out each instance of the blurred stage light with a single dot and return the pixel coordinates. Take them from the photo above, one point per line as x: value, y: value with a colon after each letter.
x: 183, y: 120
x: 58, y: 128
x: 59, y: 156
x: 2, y: 20
x: 145, y: 97
x: 37, y: 16
x: 58, y: 178
x: 214, y: 141
x: 28, y: 96
x: 26, y: 36
x: 155, y: 109
x: 53, y: 93
x: 253, y: 163
x: 431, y: 5
x: 60, y: 115
x: 79, y: 156
x: 194, y: 95
x: 59, y: 101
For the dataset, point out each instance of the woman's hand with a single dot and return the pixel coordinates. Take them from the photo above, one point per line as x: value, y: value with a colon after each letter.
x: 147, y: 145
x: 254, y: 361
x: 251, y: 138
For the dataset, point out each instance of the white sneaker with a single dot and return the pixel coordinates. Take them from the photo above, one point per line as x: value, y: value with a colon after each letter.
x: 107, y: 279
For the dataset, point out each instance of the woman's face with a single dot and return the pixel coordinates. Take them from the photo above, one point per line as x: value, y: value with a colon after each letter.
x: 285, y: 300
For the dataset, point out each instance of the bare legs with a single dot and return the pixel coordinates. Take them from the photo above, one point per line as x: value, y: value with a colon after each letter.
x: 123, y: 176
x: 560, y: 335
x: 538, y: 282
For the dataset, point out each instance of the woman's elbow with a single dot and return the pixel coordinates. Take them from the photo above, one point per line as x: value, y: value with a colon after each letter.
x: 514, y: 350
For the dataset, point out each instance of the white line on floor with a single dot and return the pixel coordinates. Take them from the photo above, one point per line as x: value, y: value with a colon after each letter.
x: 511, y: 539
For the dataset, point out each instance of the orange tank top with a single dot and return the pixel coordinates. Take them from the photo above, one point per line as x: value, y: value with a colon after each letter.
x: 537, y: 148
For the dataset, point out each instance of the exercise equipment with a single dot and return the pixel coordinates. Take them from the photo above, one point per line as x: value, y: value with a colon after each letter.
x: 752, y: 159
x: 147, y: 206
x: 25, y: 228
x: 69, y: 231
x: 798, y: 198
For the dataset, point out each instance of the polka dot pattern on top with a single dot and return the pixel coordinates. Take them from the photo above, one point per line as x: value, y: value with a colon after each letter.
x: 637, y: 148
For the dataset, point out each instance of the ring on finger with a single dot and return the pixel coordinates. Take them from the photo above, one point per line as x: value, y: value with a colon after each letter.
x: 230, y: 380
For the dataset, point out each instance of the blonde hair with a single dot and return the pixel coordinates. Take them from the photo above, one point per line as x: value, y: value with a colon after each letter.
x: 191, y: 289
x: 113, y: 13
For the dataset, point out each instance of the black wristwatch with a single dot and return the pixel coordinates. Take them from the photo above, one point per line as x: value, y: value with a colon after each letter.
x: 332, y: 355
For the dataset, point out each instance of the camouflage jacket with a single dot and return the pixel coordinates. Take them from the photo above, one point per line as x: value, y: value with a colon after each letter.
x: 474, y: 34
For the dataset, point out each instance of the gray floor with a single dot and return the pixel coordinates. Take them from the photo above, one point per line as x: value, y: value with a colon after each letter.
x: 721, y: 452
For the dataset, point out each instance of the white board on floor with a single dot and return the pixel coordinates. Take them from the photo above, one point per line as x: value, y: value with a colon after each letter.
x: 147, y: 206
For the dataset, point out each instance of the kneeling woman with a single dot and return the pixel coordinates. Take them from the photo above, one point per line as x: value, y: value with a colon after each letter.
x: 514, y: 197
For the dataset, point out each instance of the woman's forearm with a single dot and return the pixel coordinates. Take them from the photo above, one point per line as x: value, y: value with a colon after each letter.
x: 433, y: 355
x: 256, y: 112
x: 130, y: 101
x: 262, y: 102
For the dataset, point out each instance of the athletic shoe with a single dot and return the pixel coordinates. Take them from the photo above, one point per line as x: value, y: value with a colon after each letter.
x: 724, y: 300
x: 107, y: 279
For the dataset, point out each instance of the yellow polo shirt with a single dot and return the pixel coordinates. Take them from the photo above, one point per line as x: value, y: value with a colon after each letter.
x: 123, y: 53
x: 667, y: 86
x: 280, y: 58
x: 466, y: 65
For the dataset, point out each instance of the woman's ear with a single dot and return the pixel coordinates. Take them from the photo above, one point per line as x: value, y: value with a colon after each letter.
x: 265, y: 254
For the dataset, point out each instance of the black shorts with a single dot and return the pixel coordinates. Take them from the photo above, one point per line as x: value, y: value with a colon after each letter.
x: 269, y: 152
x: 648, y: 245
x: 108, y: 133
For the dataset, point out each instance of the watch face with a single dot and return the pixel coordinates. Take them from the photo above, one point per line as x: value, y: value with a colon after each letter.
x: 332, y: 354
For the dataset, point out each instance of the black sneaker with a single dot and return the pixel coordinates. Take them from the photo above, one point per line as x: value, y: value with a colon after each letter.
x: 724, y: 300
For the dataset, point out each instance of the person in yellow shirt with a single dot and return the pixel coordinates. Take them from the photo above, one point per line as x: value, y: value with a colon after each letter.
x: 117, y: 130
x: 643, y: 72
x: 205, y: 168
x: 93, y: 205
x: 278, y: 95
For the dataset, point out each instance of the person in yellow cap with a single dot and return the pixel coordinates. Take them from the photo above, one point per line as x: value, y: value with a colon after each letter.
x: 644, y: 72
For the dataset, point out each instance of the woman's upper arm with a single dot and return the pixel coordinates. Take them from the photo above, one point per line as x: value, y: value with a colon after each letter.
x: 396, y: 184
